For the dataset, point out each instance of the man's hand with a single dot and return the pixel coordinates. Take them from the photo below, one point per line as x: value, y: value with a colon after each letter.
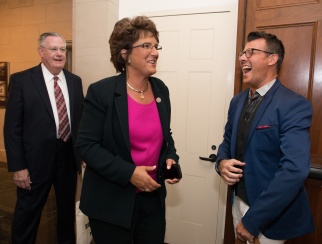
x: 142, y: 180
x: 229, y: 172
x: 22, y: 179
x: 243, y: 234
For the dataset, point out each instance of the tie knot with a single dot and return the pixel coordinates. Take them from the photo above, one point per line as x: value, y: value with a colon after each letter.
x: 254, y: 98
x: 256, y: 95
x: 55, y: 79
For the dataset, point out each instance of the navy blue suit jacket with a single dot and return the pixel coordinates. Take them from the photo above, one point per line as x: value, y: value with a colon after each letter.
x: 103, y: 143
x: 29, y: 126
x: 277, y: 157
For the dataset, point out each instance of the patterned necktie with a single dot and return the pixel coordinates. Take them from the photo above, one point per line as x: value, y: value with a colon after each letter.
x: 251, y: 105
x: 64, y: 129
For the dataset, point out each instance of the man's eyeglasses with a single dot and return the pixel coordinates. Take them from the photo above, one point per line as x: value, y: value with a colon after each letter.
x: 250, y: 51
x: 148, y: 46
x: 55, y: 49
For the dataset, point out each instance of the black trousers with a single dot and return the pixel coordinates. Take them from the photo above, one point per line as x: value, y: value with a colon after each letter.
x: 148, y: 224
x: 30, y: 203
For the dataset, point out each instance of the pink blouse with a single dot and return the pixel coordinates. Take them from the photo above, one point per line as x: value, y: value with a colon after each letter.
x: 146, y: 135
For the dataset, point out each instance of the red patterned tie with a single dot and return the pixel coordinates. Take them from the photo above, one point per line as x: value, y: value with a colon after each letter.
x: 64, y: 129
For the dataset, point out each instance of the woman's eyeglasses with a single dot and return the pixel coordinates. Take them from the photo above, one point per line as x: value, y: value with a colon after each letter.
x: 148, y: 46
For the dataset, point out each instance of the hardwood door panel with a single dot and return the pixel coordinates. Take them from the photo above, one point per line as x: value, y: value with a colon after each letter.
x: 264, y: 4
x: 283, y: 16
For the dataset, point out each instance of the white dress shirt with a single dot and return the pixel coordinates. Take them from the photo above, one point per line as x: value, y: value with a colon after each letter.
x: 49, y: 80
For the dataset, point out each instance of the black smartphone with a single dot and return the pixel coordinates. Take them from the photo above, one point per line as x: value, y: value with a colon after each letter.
x: 173, y: 172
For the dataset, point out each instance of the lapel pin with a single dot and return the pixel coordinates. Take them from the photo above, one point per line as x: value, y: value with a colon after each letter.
x: 158, y: 100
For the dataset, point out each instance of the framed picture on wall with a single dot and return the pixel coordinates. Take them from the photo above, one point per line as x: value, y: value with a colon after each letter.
x: 4, y: 79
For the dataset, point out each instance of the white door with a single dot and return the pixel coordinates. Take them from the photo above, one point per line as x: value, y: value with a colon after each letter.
x: 197, y: 64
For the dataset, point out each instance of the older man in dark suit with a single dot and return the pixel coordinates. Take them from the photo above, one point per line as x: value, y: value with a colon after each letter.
x: 42, y: 117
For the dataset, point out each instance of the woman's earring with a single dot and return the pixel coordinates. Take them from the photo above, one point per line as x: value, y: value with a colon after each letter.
x: 129, y: 61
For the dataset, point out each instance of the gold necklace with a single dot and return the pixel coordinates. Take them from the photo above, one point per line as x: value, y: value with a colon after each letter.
x: 141, y: 92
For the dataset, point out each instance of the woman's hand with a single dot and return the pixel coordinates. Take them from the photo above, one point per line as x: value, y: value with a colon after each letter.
x: 169, y: 163
x: 142, y: 180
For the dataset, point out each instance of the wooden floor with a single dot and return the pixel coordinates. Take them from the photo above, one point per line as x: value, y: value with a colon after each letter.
x: 47, y: 228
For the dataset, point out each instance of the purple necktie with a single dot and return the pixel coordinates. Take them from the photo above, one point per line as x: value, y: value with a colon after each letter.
x: 64, y: 128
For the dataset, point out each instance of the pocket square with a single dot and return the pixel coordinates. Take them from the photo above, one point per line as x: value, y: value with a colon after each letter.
x: 260, y: 127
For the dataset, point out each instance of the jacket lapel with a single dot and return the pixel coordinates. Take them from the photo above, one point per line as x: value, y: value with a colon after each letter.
x: 239, y: 109
x: 122, y: 107
x: 69, y: 81
x: 262, y: 108
x: 39, y: 81
x: 161, y: 105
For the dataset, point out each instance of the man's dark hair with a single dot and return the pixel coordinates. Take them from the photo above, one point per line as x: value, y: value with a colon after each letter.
x: 274, y: 45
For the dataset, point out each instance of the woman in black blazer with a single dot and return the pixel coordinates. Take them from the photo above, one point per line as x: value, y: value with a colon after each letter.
x: 125, y: 139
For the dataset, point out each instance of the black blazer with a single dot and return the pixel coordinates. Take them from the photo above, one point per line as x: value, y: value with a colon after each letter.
x: 29, y: 126
x: 104, y: 145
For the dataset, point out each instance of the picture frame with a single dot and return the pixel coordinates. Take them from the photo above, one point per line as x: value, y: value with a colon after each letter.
x: 4, y: 80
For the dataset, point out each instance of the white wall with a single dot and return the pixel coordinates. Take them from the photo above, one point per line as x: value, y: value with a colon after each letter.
x: 93, y: 22
x: 129, y: 8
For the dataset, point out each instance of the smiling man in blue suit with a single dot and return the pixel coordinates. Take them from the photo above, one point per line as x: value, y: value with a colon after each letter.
x: 265, y: 154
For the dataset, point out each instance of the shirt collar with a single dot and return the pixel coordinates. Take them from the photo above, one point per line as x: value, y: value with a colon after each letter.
x: 264, y: 89
x: 49, y: 76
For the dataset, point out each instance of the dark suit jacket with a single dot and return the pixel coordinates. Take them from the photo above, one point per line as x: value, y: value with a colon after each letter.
x: 104, y: 145
x: 29, y: 127
x: 277, y: 158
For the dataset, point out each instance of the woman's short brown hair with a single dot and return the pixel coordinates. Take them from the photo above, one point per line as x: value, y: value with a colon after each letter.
x: 126, y: 32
